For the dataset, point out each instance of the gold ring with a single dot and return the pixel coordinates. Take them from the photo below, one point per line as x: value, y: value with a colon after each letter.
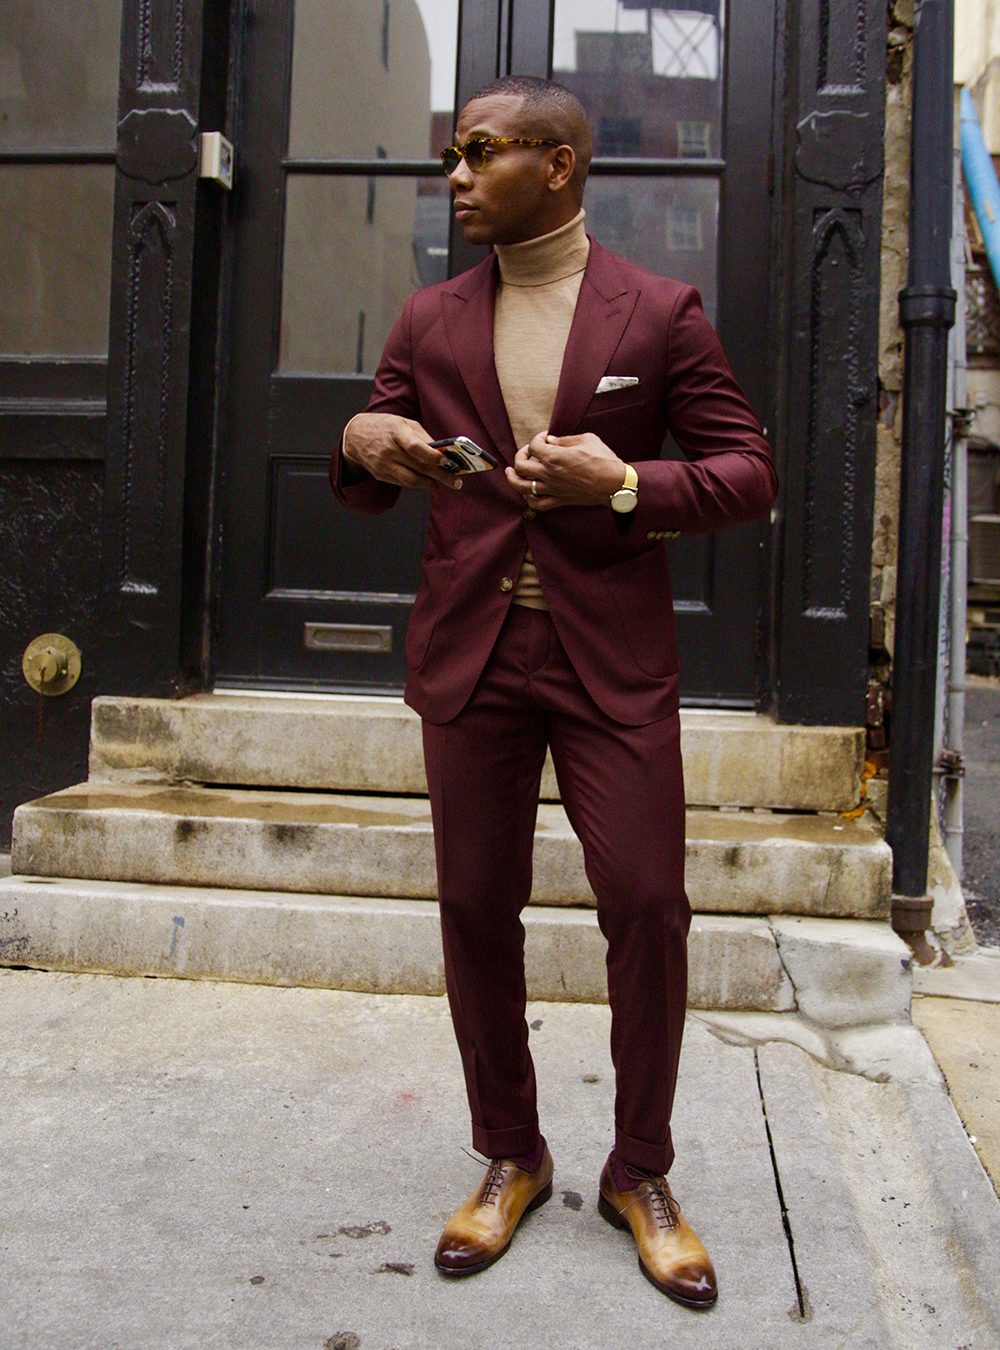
x: 534, y: 488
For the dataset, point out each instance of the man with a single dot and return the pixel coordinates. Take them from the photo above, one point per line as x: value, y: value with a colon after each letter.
x: 545, y: 619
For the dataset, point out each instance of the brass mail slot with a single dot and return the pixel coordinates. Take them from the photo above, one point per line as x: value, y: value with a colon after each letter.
x: 348, y: 637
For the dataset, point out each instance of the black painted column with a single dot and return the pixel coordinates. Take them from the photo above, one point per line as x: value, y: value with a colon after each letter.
x: 152, y: 261
x: 825, y: 439
x: 927, y: 311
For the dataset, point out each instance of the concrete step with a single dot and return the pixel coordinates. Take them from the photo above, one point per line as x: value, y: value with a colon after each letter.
x: 345, y: 744
x: 836, y: 972
x: 745, y: 862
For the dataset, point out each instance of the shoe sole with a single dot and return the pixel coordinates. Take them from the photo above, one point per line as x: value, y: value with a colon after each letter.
x: 544, y: 1194
x: 608, y: 1212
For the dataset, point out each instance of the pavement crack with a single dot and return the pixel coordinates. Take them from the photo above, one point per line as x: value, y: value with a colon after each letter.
x: 802, y: 1297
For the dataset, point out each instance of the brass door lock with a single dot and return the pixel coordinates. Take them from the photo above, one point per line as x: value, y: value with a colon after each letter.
x: 52, y: 664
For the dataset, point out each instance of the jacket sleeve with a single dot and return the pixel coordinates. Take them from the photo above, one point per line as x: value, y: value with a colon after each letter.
x: 395, y: 391
x: 727, y: 475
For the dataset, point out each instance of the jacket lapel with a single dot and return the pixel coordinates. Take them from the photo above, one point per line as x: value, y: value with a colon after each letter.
x: 467, y: 313
x: 603, y: 309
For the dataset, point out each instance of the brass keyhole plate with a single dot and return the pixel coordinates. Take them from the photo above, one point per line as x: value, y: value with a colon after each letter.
x: 52, y: 664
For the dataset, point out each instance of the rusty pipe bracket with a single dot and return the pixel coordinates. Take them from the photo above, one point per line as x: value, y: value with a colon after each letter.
x: 950, y: 764
x: 911, y: 917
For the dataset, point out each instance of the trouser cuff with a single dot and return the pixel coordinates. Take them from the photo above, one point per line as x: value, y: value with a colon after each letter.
x: 644, y: 1155
x: 519, y: 1142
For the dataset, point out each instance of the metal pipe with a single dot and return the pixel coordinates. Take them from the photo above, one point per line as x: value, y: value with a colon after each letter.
x: 944, y: 587
x: 927, y: 311
x: 954, y: 825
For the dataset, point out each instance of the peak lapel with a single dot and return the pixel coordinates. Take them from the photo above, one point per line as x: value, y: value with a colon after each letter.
x: 467, y: 313
x: 603, y: 309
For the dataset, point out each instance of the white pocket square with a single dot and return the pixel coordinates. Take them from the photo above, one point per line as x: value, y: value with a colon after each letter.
x: 610, y: 382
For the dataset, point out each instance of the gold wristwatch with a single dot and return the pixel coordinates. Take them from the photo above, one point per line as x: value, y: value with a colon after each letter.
x: 627, y: 496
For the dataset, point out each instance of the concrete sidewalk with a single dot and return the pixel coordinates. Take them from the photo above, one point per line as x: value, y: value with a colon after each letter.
x: 217, y: 1165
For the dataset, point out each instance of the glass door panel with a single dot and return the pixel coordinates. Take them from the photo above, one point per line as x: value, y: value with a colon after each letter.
x: 55, y: 279
x: 58, y: 116
x: 372, y: 78
x: 667, y: 225
x: 360, y: 216
x: 355, y: 248
x: 59, y: 74
x: 649, y: 76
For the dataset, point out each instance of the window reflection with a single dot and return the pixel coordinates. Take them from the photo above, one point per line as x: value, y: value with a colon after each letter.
x: 372, y: 80
x: 649, y: 76
x: 346, y: 275
x: 370, y: 73
x: 58, y: 73
x: 55, y: 282
x: 668, y: 225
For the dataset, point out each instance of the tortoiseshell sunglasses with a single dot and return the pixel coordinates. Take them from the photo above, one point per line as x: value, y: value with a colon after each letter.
x: 477, y: 151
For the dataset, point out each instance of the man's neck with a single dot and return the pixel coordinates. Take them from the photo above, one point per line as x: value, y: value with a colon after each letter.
x: 547, y: 258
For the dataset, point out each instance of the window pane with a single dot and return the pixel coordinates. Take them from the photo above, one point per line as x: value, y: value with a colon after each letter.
x: 649, y: 76
x: 668, y: 225
x: 59, y: 73
x: 55, y: 241
x: 373, y: 78
x: 355, y: 248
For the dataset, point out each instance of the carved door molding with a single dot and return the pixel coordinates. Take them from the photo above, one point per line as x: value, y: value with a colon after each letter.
x: 150, y: 342
x: 834, y: 128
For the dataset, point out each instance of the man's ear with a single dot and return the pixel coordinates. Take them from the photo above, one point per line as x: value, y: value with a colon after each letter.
x: 561, y: 167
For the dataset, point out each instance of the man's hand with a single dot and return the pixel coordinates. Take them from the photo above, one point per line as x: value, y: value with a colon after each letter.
x: 566, y: 471
x: 396, y: 450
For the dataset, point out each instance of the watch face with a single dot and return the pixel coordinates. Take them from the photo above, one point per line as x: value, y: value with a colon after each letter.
x: 624, y: 500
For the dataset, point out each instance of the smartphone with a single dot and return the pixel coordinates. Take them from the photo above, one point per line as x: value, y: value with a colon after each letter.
x: 464, y: 456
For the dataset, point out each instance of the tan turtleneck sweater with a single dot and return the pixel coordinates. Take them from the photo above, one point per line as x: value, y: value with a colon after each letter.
x: 539, y: 284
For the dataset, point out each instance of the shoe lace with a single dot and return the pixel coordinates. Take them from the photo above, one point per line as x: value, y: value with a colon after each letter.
x: 666, y: 1210
x: 492, y: 1182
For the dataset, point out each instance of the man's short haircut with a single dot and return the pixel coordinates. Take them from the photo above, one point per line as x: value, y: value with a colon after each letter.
x: 537, y: 93
x: 552, y: 111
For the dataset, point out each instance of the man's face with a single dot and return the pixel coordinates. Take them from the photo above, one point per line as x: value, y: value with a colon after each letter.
x: 506, y: 201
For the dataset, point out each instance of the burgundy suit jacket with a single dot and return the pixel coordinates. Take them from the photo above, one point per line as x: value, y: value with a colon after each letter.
x: 608, y: 587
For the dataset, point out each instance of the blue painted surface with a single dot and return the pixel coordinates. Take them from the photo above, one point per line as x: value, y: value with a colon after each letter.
x: 981, y: 179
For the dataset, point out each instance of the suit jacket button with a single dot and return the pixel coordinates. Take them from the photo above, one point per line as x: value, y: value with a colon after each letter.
x: 506, y: 584
x: 530, y: 513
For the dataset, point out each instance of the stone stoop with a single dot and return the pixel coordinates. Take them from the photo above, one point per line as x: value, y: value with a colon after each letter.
x: 318, y: 868
x: 341, y: 743
x: 338, y: 844
x: 837, y: 973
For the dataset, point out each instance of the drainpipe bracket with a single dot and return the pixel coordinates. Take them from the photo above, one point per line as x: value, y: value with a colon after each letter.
x: 911, y: 917
x: 927, y: 306
x: 951, y: 764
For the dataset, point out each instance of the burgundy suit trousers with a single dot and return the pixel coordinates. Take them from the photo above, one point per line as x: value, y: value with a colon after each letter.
x: 623, y: 790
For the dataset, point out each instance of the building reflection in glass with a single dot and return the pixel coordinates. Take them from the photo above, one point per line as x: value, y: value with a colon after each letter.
x: 372, y: 79
x: 650, y: 79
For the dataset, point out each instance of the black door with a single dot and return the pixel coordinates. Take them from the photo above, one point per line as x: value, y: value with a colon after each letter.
x: 342, y: 210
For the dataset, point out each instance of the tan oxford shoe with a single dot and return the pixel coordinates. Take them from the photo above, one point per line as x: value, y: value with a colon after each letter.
x: 671, y: 1254
x: 479, y: 1232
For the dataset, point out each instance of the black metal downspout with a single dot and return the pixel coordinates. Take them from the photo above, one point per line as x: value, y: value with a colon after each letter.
x: 927, y: 311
